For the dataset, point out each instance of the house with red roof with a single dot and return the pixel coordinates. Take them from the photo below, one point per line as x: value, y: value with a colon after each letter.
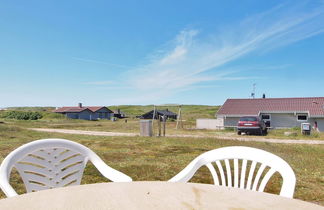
x: 85, y: 112
x: 277, y: 112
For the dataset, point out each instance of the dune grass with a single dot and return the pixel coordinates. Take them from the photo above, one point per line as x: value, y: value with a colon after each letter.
x: 189, y: 115
x: 155, y: 158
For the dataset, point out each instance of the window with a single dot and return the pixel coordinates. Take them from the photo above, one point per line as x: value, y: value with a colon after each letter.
x: 265, y: 117
x: 248, y: 119
x: 302, y: 117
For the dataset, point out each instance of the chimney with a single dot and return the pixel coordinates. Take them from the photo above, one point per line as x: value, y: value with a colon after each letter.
x: 118, y: 111
x: 263, y: 96
x: 80, y: 105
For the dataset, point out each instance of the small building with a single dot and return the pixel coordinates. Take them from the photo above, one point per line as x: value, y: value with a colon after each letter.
x: 119, y: 114
x: 210, y: 124
x: 85, y: 112
x: 158, y: 113
x: 277, y: 112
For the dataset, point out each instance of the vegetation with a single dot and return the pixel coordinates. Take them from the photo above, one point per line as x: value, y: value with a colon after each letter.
x: 295, y: 134
x: 51, y: 115
x: 161, y: 158
x: 189, y: 115
x: 189, y: 112
x: 22, y: 115
x: 32, y: 109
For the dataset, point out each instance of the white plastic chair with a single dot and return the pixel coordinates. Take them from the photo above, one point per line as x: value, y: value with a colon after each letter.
x: 51, y: 163
x: 246, y: 154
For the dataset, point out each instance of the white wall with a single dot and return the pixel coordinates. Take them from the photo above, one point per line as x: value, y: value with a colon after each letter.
x: 231, y: 121
x: 284, y: 121
x: 281, y: 120
x: 320, y: 123
x: 212, y: 124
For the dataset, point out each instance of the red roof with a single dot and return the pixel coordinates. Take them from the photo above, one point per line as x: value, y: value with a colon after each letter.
x: 79, y: 109
x: 313, y: 105
x: 96, y: 108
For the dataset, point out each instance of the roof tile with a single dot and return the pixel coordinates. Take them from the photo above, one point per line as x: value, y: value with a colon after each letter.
x: 79, y: 109
x: 313, y: 105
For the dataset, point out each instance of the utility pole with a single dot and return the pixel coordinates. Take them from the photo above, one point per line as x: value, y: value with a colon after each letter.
x: 179, y: 118
x: 253, y: 91
x: 154, y: 110
x: 159, y: 125
x: 164, y: 124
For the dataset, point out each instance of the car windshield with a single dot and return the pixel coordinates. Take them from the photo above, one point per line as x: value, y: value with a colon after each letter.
x: 248, y: 119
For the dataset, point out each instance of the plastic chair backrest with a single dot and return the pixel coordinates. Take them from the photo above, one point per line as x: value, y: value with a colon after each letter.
x: 51, y: 163
x: 247, y: 156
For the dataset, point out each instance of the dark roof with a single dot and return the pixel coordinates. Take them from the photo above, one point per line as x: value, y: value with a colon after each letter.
x: 96, y: 108
x: 118, y: 112
x: 80, y: 109
x: 312, y: 105
x: 165, y: 112
x: 70, y: 109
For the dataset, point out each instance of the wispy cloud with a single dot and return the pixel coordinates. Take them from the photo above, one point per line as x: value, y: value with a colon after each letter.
x: 99, y: 83
x: 194, y: 59
x: 192, y: 55
x: 100, y: 62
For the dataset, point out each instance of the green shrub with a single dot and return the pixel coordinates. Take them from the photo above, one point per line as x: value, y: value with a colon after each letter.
x: 296, y: 128
x: 49, y: 115
x: 229, y: 129
x: 21, y: 115
x: 2, y: 114
x: 315, y: 134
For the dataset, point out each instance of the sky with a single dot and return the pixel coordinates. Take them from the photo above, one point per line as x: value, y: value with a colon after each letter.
x: 101, y: 52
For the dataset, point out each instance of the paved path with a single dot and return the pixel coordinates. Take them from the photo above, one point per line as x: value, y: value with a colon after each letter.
x: 259, y: 139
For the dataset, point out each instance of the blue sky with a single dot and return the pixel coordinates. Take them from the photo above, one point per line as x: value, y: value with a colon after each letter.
x: 59, y: 53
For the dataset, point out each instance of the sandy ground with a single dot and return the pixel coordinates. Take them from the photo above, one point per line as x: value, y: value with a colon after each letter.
x: 259, y: 139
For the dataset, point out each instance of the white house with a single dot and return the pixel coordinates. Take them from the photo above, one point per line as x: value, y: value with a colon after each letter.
x: 278, y: 112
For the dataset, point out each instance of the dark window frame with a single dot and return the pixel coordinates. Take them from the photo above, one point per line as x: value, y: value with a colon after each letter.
x: 304, y: 116
x: 269, y: 119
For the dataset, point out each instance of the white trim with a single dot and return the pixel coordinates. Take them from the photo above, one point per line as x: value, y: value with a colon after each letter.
x: 225, y: 116
x: 316, y: 116
x: 285, y: 112
x: 266, y: 112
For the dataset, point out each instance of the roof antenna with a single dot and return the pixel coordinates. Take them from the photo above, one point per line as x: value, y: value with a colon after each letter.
x: 253, y: 91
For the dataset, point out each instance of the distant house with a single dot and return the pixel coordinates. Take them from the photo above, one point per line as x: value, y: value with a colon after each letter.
x: 167, y: 113
x: 119, y: 114
x: 277, y: 112
x: 85, y: 112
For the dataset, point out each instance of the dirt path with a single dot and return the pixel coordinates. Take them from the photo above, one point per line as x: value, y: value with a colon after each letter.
x: 260, y: 139
x: 82, y: 132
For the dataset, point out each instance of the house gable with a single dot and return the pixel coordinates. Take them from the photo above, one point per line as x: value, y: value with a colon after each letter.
x: 104, y: 109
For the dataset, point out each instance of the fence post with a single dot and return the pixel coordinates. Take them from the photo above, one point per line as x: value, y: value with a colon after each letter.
x: 146, y: 128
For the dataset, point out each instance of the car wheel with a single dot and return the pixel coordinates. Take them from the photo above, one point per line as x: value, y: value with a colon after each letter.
x: 239, y: 132
x: 260, y: 132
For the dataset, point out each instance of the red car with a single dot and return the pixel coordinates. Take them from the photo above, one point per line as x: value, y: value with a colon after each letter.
x: 251, y: 125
